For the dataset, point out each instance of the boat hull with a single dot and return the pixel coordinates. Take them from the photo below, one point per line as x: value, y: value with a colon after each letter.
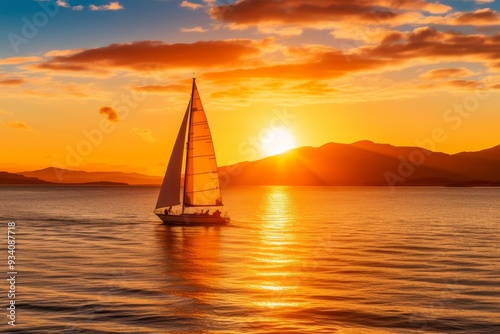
x: 193, y: 220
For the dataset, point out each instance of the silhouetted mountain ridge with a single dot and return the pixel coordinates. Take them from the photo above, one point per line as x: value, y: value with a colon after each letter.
x: 58, y: 175
x: 12, y: 178
x: 366, y: 163
x: 17, y: 179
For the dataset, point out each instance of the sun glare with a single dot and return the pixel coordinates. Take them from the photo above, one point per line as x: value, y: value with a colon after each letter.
x: 281, y: 141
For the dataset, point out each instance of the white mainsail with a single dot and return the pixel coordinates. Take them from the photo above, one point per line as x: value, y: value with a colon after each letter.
x: 202, y: 178
x: 171, y: 186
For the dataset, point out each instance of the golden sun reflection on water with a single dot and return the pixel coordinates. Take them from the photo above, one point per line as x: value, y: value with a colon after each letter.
x: 276, y: 260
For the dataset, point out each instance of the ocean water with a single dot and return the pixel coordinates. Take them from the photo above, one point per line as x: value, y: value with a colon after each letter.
x: 293, y: 260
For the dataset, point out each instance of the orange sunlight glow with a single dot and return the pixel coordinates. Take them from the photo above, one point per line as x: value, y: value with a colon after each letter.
x: 280, y: 142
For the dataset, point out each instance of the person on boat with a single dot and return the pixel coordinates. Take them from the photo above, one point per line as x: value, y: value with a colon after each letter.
x: 217, y: 213
x: 170, y: 210
x: 207, y: 212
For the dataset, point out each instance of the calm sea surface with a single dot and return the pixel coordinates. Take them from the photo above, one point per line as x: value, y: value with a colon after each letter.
x: 294, y: 260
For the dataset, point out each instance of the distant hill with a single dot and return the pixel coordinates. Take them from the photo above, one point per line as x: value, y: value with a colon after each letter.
x: 11, y: 178
x: 102, y: 183
x: 16, y: 179
x: 57, y: 175
x: 368, y: 164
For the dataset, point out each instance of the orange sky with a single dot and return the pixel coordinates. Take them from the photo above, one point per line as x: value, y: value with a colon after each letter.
x: 105, y: 87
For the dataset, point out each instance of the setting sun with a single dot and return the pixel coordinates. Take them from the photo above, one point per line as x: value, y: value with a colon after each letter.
x: 280, y: 142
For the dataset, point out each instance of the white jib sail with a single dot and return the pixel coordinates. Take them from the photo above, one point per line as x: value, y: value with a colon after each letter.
x: 171, y: 187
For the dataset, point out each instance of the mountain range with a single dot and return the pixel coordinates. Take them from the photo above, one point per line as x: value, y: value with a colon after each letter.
x: 12, y: 178
x: 362, y: 163
x: 57, y: 175
x: 366, y: 163
x: 18, y: 179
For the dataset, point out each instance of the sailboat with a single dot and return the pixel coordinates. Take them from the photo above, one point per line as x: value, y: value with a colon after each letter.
x: 201, y: 187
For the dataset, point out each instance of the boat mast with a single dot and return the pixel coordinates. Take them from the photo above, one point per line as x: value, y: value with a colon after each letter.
x: 188, y: 146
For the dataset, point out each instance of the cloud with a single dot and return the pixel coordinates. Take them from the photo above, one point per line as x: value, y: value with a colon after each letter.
x: 76, y: 90
x: 114, y: 5
x: 495, y: 66
x: 56, y: 90
x: 65, y: 4
x: 148, y: 55
x: 160, y: 88
x: 67, y: 52
x: 444, y: 73
x: 110, y: 114
x: 469, y: 84
x: 190, y: 5
x: 307, y: 63
x: 396, y: 51
x: 428, y: 43
x: 63, y: 67
x: 194, y: 29
x: 480, y: 16
x: 11, y: 81
x: 62, y: 3
x: 350, y: 20
x: 145, y: 134
x: 247, y: 59
x: 18, y: 125
x: 455, y: 84
x: 306, y: 13
x: 53, y: 87
x: 240, y: 69
x: 484, y: 1
x: 19, y: 60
